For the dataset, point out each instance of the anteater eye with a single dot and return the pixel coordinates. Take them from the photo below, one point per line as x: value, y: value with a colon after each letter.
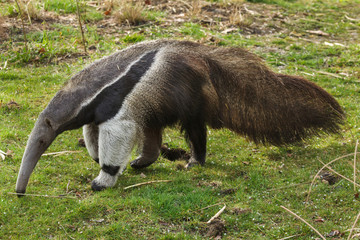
x: 47, y: 121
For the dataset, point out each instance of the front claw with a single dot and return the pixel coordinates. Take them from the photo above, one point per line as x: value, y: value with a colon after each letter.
x: 103, y: 181
x: 192, y: 163
x: 96, y: 186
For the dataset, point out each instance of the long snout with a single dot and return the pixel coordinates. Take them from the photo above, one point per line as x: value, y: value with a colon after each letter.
x: 40, y: 139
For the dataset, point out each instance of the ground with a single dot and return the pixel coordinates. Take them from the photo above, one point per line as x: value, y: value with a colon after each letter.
x: 318, y: 40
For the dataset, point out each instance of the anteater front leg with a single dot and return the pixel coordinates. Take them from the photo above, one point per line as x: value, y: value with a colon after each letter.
x: 150, y: 148
x: 116, y: 141
x: 91, y: 138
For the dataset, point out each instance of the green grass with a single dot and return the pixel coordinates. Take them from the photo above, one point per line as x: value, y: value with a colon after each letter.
x: 262, y: 178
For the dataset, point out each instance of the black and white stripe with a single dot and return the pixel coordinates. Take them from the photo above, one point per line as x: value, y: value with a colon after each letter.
x: 107, y: 102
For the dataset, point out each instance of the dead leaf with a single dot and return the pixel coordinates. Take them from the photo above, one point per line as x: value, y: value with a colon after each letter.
x: 81, y: 142
x: 12, y: 104
x: 228, y: 191
x: 356, y: 195
x: 9, y: 153
x: 108, y: 12
x: 328, y: 177
x: 318, y: 32
x: 319, y: 219
x: 229, y: 30
x: 240, y: 211
x: 42, y: 50
x: 334, y: 233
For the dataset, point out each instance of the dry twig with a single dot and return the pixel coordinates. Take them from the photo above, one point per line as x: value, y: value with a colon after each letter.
x: 313, y: 181
x: 217, y: 214
x: 145, y: 183
x: 330, y: 74
x: 65, y: 231
x: 23, y: 24
x: 290, y: 237
x: 60, y: 153
x: 332, y: 170
x: 353, y: 226
x: 352, y: 19
x: 80, y: 26
x: 38, y: 195
x: 289, y: 186
x: 297, y: 216
x: 356, y: 147
x: 207, y: 207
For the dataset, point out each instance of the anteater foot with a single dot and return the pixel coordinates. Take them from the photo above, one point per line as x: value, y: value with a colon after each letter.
x: 97, y: 187
x: 140, y: 163
x: 192, y: 163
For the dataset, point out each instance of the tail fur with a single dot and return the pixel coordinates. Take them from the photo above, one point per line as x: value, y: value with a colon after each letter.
x: 271, y: 108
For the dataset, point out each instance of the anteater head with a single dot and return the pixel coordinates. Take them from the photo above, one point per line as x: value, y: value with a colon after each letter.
x: 41, y: 137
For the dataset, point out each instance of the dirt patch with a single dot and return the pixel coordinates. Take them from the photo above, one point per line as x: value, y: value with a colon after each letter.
x: 215, y: 229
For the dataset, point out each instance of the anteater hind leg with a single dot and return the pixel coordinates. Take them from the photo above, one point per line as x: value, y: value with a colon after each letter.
x: 91, y: 138
x: 196, y: 135
x: 116, y: 141
x: 150, y: 148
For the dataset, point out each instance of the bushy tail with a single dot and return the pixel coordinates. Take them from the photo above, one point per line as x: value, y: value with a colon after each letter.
x: 279, y: 109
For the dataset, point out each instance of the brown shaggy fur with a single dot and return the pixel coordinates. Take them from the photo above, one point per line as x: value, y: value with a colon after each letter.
x: 268, y: 107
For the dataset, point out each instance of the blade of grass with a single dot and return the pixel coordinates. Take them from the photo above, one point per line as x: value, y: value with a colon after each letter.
x: 356, y: 147
x: 353, y: 226
x: 145, y: 183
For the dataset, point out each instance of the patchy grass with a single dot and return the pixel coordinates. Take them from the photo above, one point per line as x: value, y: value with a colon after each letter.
x: 317, y: 40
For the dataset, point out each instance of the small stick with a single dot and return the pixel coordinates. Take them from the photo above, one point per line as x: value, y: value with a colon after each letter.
x: 80, y: 25
x: 304, y: 222
x: 356, y: 147
x: 23, y: 25
x: 332, y: 170
x: 355, y: 229
x: 67, y: 187
x: 65, y: 231
x: 352, y: 19
x: 207, y: 207
x: 353, y: 226
x: 290, y: 237
x: 38, y: 195
x: 60, y: 153
x: 312, y: 183
x: 289, y: 186
x: 145, y: 183
x: 217, y: 214
x: 27, y: 11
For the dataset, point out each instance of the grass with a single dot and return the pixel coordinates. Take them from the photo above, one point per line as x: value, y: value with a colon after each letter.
x: 253, y: 181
